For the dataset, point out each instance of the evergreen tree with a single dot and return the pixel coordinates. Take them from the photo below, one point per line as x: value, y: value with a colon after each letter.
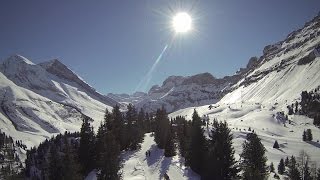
x: 306, y: 175
x: 100, y: 144
x: 304, y: 136
x: 86, y: 149
x: 162, y: 128
x: 281, y: 167
x: 169, y: 150
x: 134, y: 129
x: 108, y: 150
x: 309, y: 135
x: 111, y: 159
x: 293, y: 171
x: 142, y: 124
x: 271, y: 167
x: 198, y: 148
x: 118, y: 126
x: 220, y: 162
x: 276, y: 145
x: 55, y: 164
x: 253, y: 160
x: 71, y: 168
x: 286, y: 162
x: 183, y: 135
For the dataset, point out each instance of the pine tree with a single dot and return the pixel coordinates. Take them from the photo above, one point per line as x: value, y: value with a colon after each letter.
x: 253, y: 160
x: 281, y: 167
x: 271, y: 167
x: 306, y: 172
x: 286, y: 162
x: 184, y: 135
x: 100, y: 144
x: 86, y: 149
x: 118, y: 126
x: 220, y: 162
x: 276, y: 145
x: 198, y: 148
x: 293, y: 171
x: 111, y: 159
x: 55, y: 164
x: 71, y: 168
x: 304, y: 136
x: 309, y: 135
x: 169, y: 149
x: 162, y: 128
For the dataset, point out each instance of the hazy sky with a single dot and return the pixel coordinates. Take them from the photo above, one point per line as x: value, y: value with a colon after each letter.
x: 112, y: 44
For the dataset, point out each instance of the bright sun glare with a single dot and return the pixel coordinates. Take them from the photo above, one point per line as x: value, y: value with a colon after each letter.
x: 181, y: 22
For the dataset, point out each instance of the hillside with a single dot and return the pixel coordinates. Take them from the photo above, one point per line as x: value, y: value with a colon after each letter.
x: 259, y: 100
x: 38, y: 101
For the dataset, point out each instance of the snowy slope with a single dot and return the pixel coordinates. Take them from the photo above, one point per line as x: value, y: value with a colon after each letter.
x: 36, y: 104
x: 285, y: 70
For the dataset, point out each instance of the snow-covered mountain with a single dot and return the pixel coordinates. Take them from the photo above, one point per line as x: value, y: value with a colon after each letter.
x: 178, y: 92
x: 38, y: 100
x: 257, y: 100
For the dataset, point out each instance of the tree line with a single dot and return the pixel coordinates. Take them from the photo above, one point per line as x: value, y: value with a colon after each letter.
x: 210, y: 154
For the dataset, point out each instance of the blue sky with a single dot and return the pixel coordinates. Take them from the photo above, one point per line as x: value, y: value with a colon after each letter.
x: 112, y: 44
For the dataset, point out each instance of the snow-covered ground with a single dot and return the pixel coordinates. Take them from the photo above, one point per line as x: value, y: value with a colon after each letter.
x: 137, y: 166
x: 268, y: 124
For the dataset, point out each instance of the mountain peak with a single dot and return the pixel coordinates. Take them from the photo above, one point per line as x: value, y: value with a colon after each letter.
x: 16, y: 58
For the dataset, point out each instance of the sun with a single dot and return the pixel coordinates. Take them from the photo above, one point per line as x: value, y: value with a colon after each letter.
x: 182, y: 22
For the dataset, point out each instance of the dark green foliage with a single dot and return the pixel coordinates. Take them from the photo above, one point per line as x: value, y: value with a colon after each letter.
x: 306, y: 175
x: 220, y: 162
x: 281, y: 167
x: 71, y: 168
x: 316, y: 120
x: 309, y: 135
x: 286, y: 162
x: 118, y: 127
x: 276, y: 145
x: 87, y: 143
x: 134, y: 128
x: 55, y: 164
x: 111, y: 160
x: 293, y: 171
x: 304, y: 136
x: 183, y: 134
x: 169, y: 149
x: 162, y: 128
x: 310, y: 104
x: 195, y: 157
x: 9, y: 161
x: 271, y: 167
x: 253, y: 159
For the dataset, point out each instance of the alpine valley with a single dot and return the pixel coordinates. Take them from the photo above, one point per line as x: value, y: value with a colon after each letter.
x: 38, y: 101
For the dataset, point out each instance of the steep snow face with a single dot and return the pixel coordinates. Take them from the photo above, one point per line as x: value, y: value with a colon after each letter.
x: 287, y: 68
x: 35, y: 104
x: 60, y: 70
x: 279, y: 76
